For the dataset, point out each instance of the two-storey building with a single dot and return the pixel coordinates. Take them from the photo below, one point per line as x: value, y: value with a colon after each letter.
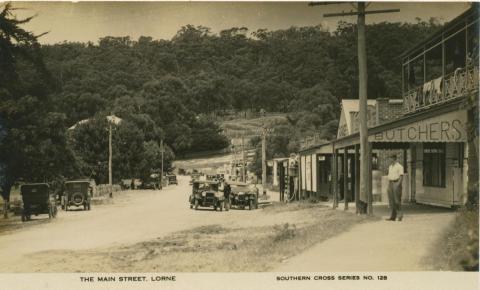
x: 427, y: 128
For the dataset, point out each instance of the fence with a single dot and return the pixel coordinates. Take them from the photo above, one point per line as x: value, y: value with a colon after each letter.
x: 104, y: 189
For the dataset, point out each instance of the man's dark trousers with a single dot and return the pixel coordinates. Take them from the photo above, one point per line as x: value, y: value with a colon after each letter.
x: 395, y: 199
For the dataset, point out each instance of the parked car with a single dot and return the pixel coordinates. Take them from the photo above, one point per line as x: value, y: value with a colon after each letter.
x: 206, y: 193
x: 152, y: 182
x: 243, y: 195
x: 77, y: 193
x: 172, y: 179
x: 194, y: 176
x: 126, y: 184
x: 37, y: 199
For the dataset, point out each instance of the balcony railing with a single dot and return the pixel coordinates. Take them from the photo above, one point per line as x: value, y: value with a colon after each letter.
x: 443, y: 89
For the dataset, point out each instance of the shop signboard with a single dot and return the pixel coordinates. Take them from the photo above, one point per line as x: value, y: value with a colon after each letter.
x: 449, y: 127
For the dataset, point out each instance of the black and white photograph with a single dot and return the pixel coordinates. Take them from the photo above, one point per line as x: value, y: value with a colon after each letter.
x: 305, y: 144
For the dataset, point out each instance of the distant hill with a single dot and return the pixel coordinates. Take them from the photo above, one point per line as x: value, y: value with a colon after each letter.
x: 249, y: 128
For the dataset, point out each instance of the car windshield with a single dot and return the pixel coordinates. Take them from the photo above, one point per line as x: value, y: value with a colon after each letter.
x: 239, y: 188
x: 206, y: 186
x: 77, y: 186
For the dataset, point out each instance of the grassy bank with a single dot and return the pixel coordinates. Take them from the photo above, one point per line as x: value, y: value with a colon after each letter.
x: 457, y: 249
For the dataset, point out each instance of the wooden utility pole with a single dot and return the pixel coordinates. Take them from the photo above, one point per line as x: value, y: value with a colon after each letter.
x: 161, y: 168
x: 345, y: 177
x: 365, y: 157
x: 362, y: 96
x: 244, y: 179
x: 110, y: 188
x: 264, y: 159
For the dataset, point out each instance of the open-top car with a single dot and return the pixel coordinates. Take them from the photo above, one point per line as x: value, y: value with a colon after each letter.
x: 37, y: 200
x: 77, y: 193
x: 206, y: 193
x: 243, y: 195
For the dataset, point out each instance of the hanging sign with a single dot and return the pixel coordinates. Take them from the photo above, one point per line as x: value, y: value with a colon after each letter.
x: 450, y: 127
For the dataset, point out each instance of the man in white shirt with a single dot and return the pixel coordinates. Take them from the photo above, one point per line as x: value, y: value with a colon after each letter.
x: 395, y: 176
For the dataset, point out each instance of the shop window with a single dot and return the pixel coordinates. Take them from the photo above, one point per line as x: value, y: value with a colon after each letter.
x: 434, y: 164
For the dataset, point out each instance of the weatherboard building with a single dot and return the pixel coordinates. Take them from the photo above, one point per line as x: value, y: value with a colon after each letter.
x: 427, y: 128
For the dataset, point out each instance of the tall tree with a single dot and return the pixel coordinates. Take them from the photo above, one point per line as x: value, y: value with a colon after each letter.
x: 33, y: 144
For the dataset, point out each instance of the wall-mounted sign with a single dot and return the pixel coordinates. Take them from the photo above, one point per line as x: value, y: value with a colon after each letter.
x: 450, y: 127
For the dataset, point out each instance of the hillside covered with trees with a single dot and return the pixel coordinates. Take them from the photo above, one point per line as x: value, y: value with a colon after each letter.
x: 173, y: 90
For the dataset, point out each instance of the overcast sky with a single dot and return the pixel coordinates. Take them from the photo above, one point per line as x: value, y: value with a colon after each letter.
x: 88, y: 21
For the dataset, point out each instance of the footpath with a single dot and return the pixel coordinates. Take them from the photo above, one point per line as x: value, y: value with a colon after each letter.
x: 378, y: 246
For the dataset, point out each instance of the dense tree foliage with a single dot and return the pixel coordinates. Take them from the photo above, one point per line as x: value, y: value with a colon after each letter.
x: 196, y: 73
x: 173, y: 90
x: 135, y: 148
x: 33, y: 143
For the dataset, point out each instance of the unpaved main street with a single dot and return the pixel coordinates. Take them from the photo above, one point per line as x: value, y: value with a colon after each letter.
x: 156, y: 231
x: 111, y: 236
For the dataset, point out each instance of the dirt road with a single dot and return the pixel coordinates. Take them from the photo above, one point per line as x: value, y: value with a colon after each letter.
x: 135, y: 216
x: 149, y: 231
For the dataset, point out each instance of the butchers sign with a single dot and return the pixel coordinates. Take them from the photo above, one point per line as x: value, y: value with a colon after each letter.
x: 450, y: 127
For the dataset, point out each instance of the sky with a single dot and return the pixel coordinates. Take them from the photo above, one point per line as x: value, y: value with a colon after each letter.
x: 88, y: 21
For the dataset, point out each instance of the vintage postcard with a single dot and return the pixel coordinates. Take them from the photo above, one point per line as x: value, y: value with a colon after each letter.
x: 230, y: 144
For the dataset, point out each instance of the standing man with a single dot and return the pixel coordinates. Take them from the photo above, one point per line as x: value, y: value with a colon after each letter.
x: 395, y: 176
x: 226, y: 193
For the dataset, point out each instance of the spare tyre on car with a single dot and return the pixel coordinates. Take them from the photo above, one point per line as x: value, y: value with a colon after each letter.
x: 77, y: 193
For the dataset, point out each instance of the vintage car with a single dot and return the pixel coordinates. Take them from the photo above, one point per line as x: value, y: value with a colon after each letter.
x: 243, y: 195
x: 172, y: 179
x: 125, y: 184
x: 206, y: 193
x: 194, y: 176
x: 152, y: 182
x: 37, y: 199
x: 77, y: 193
